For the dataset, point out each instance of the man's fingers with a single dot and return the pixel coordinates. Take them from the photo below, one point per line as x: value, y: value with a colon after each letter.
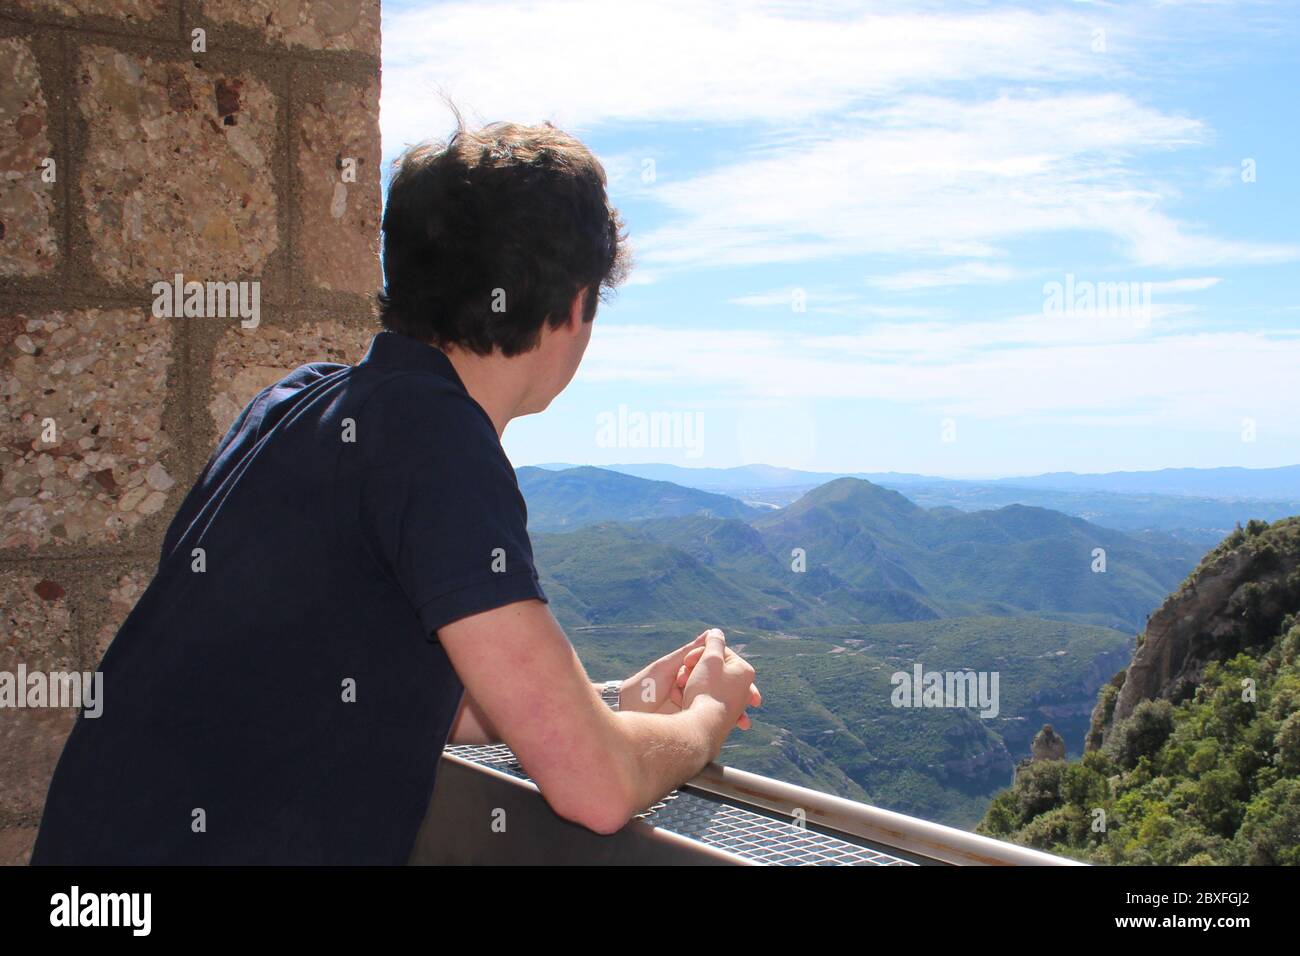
x: 676, y: 657
x: 755, y: 696
x: 688, y: 663
x: 698, y: 641
x: 715, y: 643
x: 744, y: 723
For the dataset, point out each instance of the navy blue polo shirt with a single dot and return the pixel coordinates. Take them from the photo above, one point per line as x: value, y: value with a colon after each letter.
x: 278, y: 694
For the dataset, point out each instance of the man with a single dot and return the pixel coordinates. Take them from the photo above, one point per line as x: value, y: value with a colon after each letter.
x: 350, y: 585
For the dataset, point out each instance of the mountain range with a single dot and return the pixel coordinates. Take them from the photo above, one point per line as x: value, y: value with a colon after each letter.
x: 832, y: 594
x: 1200, y: 506
x: 561, y: 501
x: 1281, y: 483
x: 846, y: 552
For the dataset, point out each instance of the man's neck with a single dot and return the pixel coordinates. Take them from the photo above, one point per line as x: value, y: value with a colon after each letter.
x: 498, y: 389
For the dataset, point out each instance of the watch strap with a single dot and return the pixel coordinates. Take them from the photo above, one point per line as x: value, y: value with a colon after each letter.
x: 611, y: 693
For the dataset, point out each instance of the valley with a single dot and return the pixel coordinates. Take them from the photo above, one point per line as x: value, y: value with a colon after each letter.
x: 883, y: 584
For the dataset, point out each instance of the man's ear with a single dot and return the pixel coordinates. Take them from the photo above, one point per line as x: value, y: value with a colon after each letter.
x: 578, y: 309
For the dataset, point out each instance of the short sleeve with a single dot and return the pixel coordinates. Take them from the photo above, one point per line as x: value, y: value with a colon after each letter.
x: 447, y: 522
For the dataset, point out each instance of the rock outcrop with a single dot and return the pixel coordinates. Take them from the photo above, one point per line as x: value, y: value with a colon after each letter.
x: 1048, y: 745
x: 1235, y: 599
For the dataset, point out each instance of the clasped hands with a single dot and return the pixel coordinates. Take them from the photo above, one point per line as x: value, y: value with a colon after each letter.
x: 664, y: 686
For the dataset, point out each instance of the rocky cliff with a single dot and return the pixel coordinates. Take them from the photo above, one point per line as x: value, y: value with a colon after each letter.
x: 1234, y: 600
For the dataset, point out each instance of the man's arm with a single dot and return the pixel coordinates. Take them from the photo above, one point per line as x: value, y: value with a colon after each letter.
x: 594, y: 766
x: 655, y: 688
x: 472, y: 726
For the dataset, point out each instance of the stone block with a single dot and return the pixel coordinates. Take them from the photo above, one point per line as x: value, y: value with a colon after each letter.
x: 245, y: 361
x: 38, y: 634
x: 179, y: 172
x: 351, y: 25
x: 28, y: 238
x: 82, y: 428
x: 338, y: 185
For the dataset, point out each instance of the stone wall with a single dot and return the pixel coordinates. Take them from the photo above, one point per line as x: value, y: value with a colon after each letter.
x: 226, y: 140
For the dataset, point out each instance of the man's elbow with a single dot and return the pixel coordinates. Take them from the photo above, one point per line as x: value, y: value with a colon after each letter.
x: 603, y: 806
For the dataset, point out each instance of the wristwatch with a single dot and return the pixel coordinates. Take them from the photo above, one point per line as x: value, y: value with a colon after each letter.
x: 611, y: 692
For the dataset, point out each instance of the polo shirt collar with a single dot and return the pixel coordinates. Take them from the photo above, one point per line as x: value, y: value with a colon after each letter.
x: 393, y: 350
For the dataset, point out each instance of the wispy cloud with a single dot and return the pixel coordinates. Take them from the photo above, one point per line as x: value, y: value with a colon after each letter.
x: 958, y: 273
x: 585, y: 62
x: 922, y: 132
x: 909, y: 176
x: 953, y: 181
x: 1200, y: 380
x: 1185, y: 285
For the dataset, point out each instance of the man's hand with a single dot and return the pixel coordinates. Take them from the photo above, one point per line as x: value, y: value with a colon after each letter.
x: 721, y: 676
x: 654, y: 689
x: 644, y: 691
x: 593, y: 766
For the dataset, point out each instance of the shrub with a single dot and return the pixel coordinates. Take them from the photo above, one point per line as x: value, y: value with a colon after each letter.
x: 1142, y: 734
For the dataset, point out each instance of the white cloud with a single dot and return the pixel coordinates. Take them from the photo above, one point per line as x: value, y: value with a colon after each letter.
x: 914, y: 133
x: 959, y: 273
x: 790, y: 296
x: 585, y: 62
x: 1185, y: 285
x: 949, y: 180
x: 1026, y: 368
x: 823, y: 302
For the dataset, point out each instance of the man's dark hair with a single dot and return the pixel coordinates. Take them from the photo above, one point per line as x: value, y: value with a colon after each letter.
x: 492, y: 233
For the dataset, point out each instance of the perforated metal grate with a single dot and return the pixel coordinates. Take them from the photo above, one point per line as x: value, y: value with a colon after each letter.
x: 754, y: 836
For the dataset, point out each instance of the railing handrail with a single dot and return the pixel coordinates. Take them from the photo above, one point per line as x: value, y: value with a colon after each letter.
x: 934, y: 841
x: 880, y: 832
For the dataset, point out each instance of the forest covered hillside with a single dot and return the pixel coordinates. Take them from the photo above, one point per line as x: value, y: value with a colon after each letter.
x: 1193, y: 756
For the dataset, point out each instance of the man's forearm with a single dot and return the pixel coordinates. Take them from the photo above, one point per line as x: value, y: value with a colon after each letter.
x: 658, y: 752
x: 472, y: 726
x: 651, y: 753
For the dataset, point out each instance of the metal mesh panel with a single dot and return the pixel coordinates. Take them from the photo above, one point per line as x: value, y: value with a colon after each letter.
x: 754, y: 836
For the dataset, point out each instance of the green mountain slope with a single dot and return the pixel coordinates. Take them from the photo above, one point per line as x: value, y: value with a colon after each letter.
x: 871, y: 557
x: 1013, y: 560
x: 1195, y: 749
x: 617, y: 574
x: 887, y: 585
x: 564, y: 500
x: 829, y: 721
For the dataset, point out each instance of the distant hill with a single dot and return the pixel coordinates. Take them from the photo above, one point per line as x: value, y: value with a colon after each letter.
x: 743, y: 476
x: 872, y: 556
x: 1274, y: 484
x: 614, y: 573
x: 1203, y: 522
x: 1200, y: 506
x: 1263, y: 483
x: 1194, y: 749
x: 562, y: 500
x: 1012, y: 560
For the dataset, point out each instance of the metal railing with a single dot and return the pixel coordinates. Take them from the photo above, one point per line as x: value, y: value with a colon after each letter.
x: 922, y: 838
x: 485, y: 810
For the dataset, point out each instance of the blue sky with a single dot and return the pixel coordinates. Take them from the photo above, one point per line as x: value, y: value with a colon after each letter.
x: 866, y: 234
